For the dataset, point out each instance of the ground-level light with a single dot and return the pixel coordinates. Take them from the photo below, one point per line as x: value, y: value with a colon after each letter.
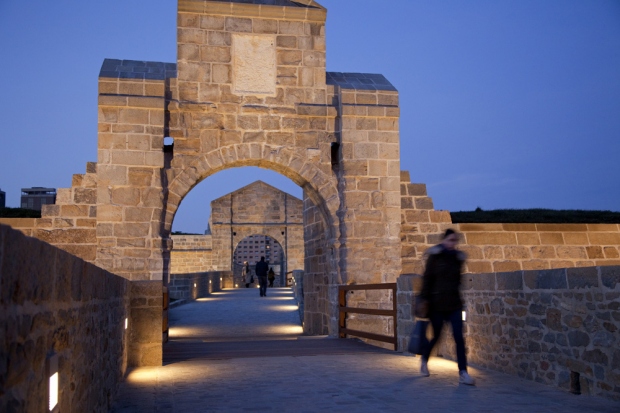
x: 53, y: 378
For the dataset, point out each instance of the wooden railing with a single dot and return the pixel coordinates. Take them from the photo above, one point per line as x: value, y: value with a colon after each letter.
x: 344, y: 310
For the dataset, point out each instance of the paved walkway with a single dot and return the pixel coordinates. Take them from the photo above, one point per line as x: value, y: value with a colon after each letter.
x: 352, y: 381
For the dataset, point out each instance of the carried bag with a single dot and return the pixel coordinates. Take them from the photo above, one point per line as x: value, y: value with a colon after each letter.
x: 418, y: 340
x: 421, y: 307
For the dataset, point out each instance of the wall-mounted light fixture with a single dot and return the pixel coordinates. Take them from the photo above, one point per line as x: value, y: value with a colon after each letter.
x: 52, y: 386
x: 464, y: 313
x: 194, y: 285
x: 126, y: 323
x: 209, y: 281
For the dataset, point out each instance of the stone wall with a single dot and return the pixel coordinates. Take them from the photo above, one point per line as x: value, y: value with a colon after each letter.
x: 541, y: 325
x: 191, y: 253
x: 52, y: 302
x: 196, y: 285
x: 513, y: 247
x: 502, y: 247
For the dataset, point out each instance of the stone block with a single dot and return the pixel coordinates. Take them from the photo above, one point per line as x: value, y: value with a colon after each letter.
x: 201, y: 72
x: 483, y: 282
x: 235, y: 24
x: 265, y: 26
x: 221, y: 73
x: 415, y: 216
x: 219, y: 38
x: 595, y: 252
x: 188, y: 20
x: 125, y: 196
x: 525, y: 238
x: 490, y: 238
x: 545, y: 279
x: 289, y: 57
x: 134, y: 116
x: 423, y: 203
x: 212, y: 22
x: 516, y: 252
x: 578, y: 338
x: 504, y: 266
x: 535, y: 264
x: 572, y: 253
x: 510, y: 281
x: 479, y: 267
x: 287, y: 42
x: 551, y: 238
x: 292, y: 27
x: 576, y: 238
x: 543, y: 252
x: 610, y: 277
x: 604, y: 238
x: 190, y: 35
x: 492, y: 252
x: 582, y: 277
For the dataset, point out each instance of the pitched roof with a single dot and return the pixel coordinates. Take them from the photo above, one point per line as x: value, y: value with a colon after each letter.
x: 359, y: 81
x: 286, y: 3
x: 137, y: 69
x: 254, y: 186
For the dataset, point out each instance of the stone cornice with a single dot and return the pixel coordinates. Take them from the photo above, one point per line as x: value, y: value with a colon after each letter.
x: 253, y: 10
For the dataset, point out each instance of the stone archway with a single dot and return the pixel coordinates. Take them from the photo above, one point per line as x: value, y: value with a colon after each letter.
x: 316, y: 187
x: 249, y: 89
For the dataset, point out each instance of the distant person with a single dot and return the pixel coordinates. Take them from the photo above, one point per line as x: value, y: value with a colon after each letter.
x: 441, y: 290
x: 261, y: 273
x: 246, y: 274
x: 271, y: 276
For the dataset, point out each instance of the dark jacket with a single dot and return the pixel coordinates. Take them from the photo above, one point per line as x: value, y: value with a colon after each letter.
x: 261, y: 269
x: 442, y: 279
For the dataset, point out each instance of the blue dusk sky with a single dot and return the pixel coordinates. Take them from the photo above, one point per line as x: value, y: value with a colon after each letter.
x: 504, y: 103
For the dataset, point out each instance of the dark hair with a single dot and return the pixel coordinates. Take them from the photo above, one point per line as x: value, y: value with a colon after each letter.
x: 262, y: 258
x: 448, y: 232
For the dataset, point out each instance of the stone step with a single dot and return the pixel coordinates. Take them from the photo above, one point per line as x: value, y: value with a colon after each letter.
x: 404, y: 177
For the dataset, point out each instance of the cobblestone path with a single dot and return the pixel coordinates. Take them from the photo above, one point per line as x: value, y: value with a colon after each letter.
x: 250, y: 368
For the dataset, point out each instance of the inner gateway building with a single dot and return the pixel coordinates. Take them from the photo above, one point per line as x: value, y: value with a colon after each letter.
x: 253, y: 221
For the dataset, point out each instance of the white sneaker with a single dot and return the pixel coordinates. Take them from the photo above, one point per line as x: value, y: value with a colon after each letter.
x: 466, y: 378
x: 424, y: 369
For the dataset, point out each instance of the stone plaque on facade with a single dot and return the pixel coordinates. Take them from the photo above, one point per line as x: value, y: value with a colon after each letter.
x: 254, y: 64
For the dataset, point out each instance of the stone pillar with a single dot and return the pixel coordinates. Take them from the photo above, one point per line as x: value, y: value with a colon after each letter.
x: 369, y: 176
x: 145, y: 344
x: 130, y: 155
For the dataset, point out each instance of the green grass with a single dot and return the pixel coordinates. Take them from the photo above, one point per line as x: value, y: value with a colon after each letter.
x: 19, y: 213
x: 536, y: 216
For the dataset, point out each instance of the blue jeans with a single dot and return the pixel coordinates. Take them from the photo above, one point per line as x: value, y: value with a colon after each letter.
x: 437, y: 319
x: 262, y: 281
